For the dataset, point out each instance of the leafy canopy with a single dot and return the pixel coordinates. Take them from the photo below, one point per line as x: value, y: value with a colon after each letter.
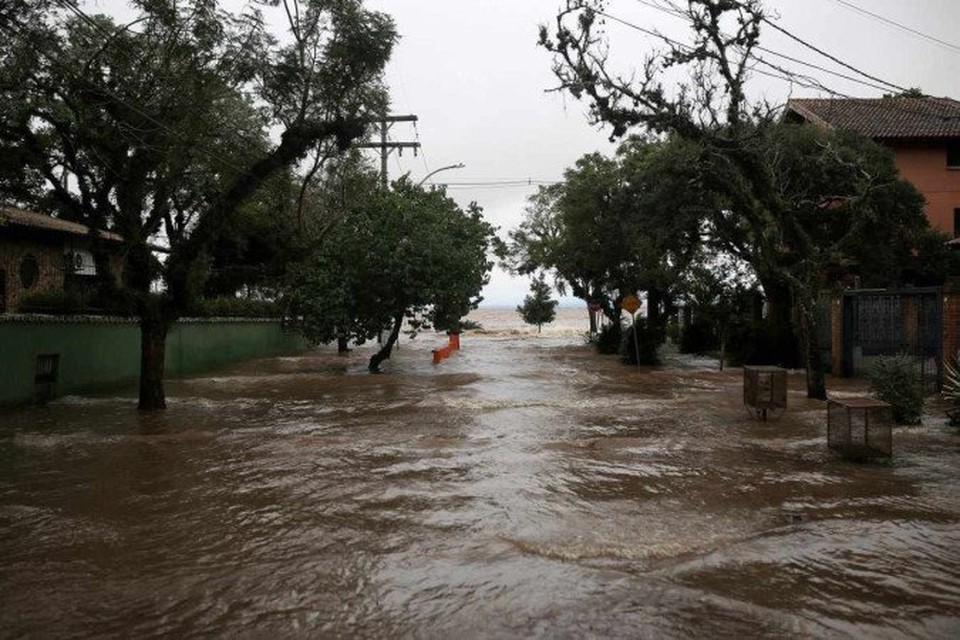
x: 407, y: 253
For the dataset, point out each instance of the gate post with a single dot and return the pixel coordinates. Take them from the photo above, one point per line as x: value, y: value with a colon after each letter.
x: 836, y: 333
x: 951, y: 315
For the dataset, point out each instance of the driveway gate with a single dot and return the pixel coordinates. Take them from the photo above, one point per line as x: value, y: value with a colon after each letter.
x: 879, y: 322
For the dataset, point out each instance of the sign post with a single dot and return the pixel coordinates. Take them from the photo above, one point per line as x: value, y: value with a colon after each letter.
x: 631, y: 304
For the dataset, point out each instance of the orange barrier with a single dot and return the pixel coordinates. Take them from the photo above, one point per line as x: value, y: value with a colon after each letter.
x: 441, y: 354
x: 444, y: 352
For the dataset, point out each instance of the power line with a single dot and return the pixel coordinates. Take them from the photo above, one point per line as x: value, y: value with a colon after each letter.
x: 678, y: 13
x: 893, y: 23
x: 831, y: 57
x: 784, y: 74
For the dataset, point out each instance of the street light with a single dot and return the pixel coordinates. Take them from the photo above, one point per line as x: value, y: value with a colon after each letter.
x: 459, y: 165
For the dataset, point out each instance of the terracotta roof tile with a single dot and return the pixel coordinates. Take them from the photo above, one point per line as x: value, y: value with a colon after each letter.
x: 22, y: 218
x: 899, y: 117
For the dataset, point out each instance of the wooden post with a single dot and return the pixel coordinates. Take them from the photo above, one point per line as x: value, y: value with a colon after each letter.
x: 836, y: 334
x: 951, y: 315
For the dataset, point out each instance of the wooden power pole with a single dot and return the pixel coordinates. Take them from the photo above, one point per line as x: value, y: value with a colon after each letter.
x: 385, y: 146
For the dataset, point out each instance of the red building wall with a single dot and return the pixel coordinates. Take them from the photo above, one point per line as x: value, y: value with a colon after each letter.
x: 924, y: 163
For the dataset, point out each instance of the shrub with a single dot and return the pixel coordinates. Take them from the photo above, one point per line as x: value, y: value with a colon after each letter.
x: 608, y: 339
x: 228, y: 307
x: 65, y: 303
x: 54, y: 302
x: 896, y: 379
x: 649, y: 339
x: 757, y: 343
x: 951, y: 388
x: 699, y: 337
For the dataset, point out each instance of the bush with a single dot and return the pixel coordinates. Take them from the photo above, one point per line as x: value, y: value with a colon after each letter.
x: 896, y: 379
x: 66, y: 303
x: 649, y: 339
x: 757, y: 343
x: 54, y: 302
x: 951, y: 388
x: 236, y: 308
x: 699, y: 337
x: 608, y: 340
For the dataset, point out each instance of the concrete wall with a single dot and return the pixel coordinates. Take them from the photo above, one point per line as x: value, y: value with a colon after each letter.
x: 99, y: 353
x: 924, y: 163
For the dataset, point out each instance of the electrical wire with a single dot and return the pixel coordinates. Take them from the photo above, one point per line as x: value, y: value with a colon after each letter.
x: 831, y: 57
x: 893, y: 23
x: 678, y: 13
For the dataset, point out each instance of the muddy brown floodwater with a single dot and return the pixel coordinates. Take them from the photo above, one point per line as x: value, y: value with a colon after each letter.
x: 523, y: 488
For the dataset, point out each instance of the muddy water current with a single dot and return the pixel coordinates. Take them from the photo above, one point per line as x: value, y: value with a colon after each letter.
x: 525, y: 487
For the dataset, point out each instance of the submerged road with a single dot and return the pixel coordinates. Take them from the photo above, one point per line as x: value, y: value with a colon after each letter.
x: 523, y: 488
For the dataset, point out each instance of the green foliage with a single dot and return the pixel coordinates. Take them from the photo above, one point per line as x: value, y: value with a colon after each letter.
x: 951, y: 388
x: 608, y: 339
x: 406, y: 253
x: 896, y: 380
x: 152, y: 127
x: 59, y: 302
x: 799, y: 204
x: 756, y: 343
x: 232, y: 307
x: 605, y: 230
x: 538, y: 308
x: 649, y: 338
x: 699, y: 337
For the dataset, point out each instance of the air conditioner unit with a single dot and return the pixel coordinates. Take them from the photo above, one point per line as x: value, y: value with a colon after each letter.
x: 79, y: 262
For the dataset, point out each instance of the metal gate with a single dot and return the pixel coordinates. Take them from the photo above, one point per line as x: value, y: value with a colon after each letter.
x: 880, y: 322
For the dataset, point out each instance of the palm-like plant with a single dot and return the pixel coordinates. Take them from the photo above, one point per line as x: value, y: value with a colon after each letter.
x: 951, y: 388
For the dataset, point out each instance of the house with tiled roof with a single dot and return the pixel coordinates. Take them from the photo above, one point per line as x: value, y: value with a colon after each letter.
x: 923, y: 132
x: 40, y: 254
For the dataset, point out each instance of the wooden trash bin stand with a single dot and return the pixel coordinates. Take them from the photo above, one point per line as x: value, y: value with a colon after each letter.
x: 860, y: 428
x: 764, y: 389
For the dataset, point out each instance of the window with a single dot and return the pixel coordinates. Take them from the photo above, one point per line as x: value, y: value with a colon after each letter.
x: 3, y: 291
x: 29, y: 271
x: 953, y: 155
x: 956, y: 223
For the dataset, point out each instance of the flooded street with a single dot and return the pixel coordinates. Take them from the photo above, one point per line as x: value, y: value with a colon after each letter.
x: 525, y: 487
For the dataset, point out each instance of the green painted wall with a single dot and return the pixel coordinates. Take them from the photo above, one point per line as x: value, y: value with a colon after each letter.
x: 99, y: 353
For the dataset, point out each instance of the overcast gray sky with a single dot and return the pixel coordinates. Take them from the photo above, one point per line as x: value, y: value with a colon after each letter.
x: 471, y: 70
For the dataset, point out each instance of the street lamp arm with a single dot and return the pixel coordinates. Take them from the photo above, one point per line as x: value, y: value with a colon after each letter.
x: 459, y: 165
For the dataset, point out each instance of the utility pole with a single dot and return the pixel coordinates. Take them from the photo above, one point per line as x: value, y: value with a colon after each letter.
x: 386, y: 147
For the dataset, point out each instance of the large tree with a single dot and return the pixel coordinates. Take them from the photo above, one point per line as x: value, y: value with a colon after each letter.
x: 604, y: 231
x: 401, y: 255
x: 162, y: 129
x: 789, y: 201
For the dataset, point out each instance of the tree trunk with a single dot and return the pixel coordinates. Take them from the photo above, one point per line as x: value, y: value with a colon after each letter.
x: 343, y: 345
x: 593, y: 319
x: 810, y: 339
x: 153, y: 341
x: 385, y: 351
x: 782, y: 332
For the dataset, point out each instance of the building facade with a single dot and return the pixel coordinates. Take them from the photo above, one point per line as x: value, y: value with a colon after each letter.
x: 42, y: 254
x: 922, y: 132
